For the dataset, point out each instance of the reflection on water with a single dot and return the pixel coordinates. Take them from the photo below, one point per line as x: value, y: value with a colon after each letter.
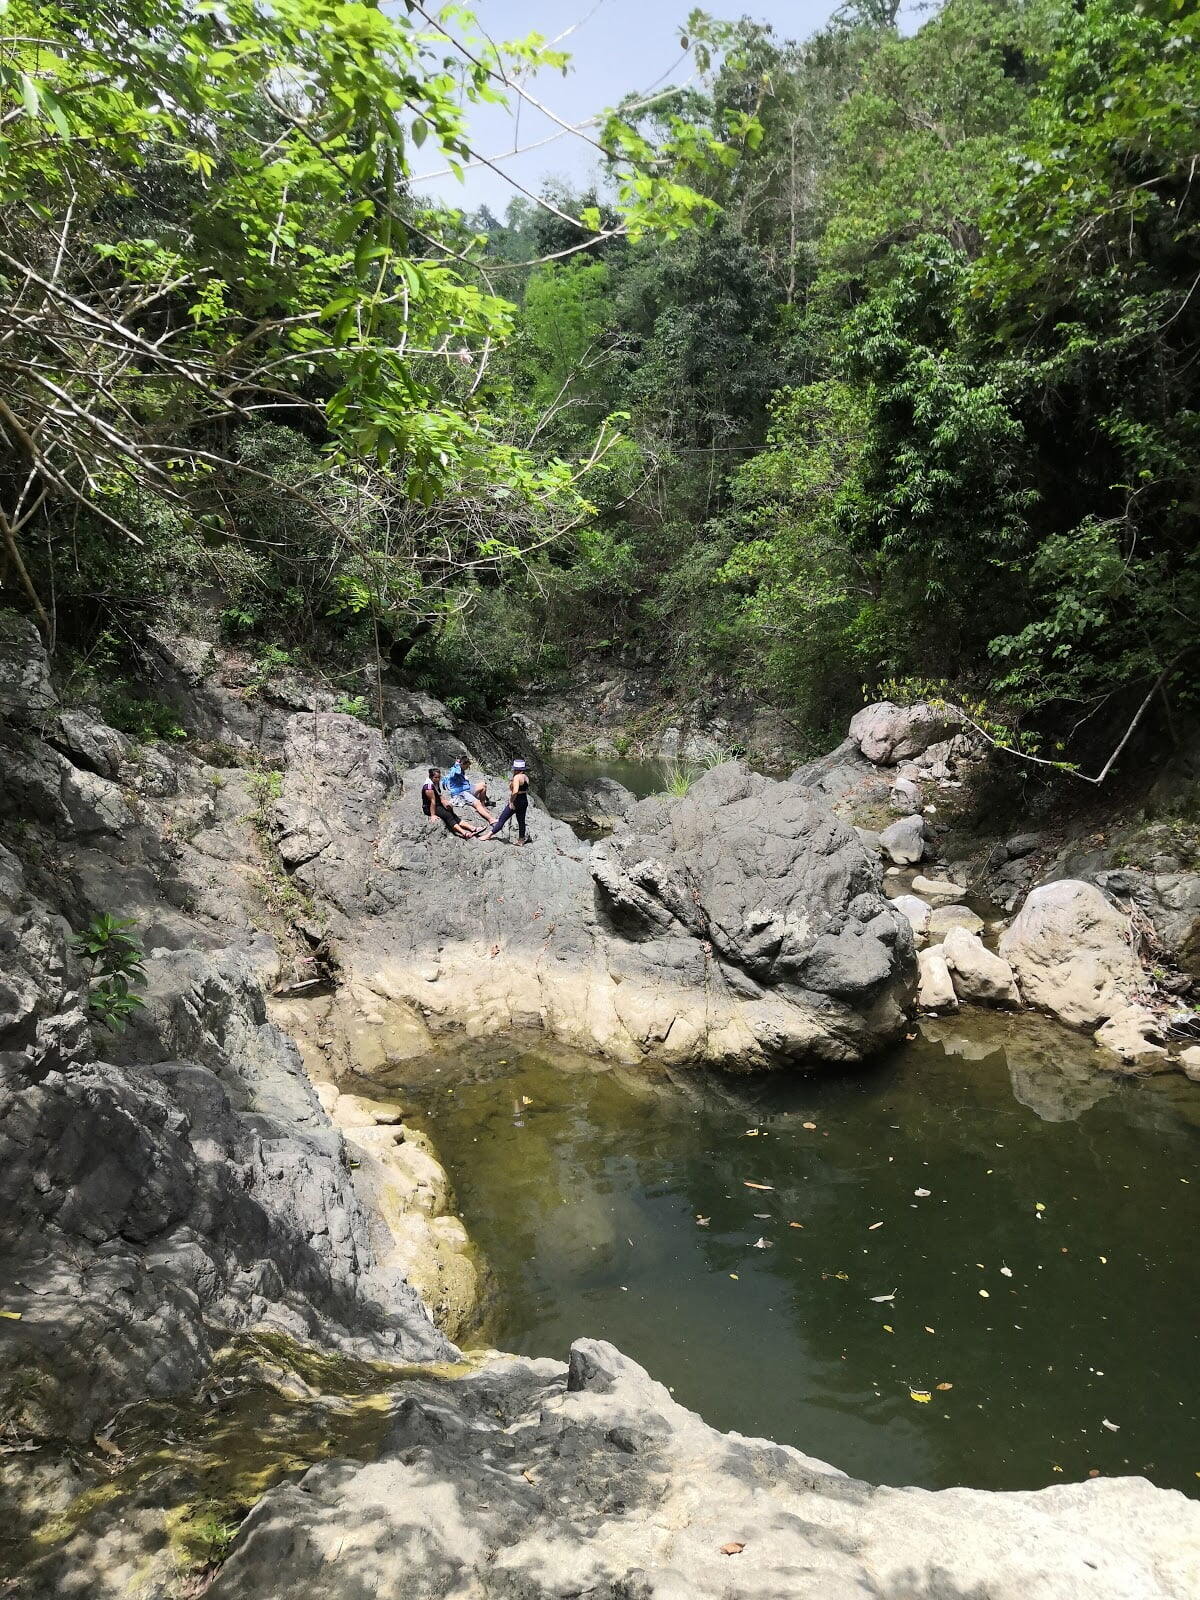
x: 1046, y: 1276
x: 641, y: 777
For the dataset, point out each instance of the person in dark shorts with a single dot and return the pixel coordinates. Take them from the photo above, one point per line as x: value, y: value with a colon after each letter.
x: 517, y: 804
x: 433, y: 805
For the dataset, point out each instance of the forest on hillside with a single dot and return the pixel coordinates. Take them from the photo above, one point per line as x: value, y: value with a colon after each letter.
x: 873, y: 361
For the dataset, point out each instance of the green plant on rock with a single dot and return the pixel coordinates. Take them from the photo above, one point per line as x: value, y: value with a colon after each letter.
x: 678, y: 778
x: 117, y: 962
x: 353, y: 705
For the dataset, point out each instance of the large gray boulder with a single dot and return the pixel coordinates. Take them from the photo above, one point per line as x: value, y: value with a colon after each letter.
x: 741, y: 925
x: 904, y: 841
x: 783, y: 896
x: 886, y: 733
x: 1071, y: 951
x: 528, y: 1482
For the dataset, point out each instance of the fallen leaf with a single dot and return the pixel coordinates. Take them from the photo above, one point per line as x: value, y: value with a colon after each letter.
x: 927, y: 1328
x: 810, y: 1125
x: 795, y: 1224
x: 109, y: 1448
x: 984, y: 1295
x: 1113, y: 1427
x: 945, y: 1386
x: 884, y: 1299
x: 762, y: 1244
x: 734, y: 1276
x: 1094, y: 1473
x: 1038, y: 1206
x: 844, y: 1276
x: 527, y: 1475
x: 922, y: 1194
x: 746, y: 1184
x: 872, y: 1226
x: 752, y: 1133
x: 1103, y: 1261
x: 910, y: 1037
x: 1006, y: 1272
x: 525, y: 1100
x: 494, y: 951
x: 887, y: 1328
x: 13, y: 1316
x: 921, y: 1396
x: 733, y: 1548
x: 702, y: 1222
x: 761, y: 1216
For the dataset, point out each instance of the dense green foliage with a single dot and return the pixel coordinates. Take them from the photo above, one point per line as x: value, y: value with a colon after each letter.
x: 922, y: 403
x: 871, y: 357
x: 237, y: 351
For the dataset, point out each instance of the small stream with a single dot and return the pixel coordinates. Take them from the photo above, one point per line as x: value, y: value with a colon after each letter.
x: 1044, y: 1286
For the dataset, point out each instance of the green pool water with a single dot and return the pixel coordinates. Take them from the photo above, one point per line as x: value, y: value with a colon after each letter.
x: 1053, y: 1257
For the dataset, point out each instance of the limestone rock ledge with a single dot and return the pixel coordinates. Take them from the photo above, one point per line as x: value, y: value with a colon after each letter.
x: 528, y: 1482
x: 742, y: 925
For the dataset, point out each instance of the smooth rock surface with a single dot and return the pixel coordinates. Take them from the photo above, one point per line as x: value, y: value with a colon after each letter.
x: 904, y: 841
x: 1133, y: 1033
x: 528, y: 1483
x: 887, y: 733
x: 917, y: 911
x: 943, y: 918
x: 978, y: 973
x: 936, y: 989
x: 1070, y: 950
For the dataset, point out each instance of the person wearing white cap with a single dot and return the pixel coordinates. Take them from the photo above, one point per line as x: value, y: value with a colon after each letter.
x: 517, y: 804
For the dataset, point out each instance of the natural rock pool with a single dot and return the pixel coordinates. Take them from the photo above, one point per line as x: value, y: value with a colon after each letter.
x: 1035, y: 1221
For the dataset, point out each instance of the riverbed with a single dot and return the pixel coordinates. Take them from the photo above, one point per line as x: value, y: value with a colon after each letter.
x: 969, y: 1264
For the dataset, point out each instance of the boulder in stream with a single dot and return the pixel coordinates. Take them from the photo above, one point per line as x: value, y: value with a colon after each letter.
x: 1070, y: 949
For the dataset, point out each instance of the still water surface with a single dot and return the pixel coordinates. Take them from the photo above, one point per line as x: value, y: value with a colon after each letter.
x: 1048, y: 1275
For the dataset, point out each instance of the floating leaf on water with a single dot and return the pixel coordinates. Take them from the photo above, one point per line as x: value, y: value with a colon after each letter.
x: 1038, y: 1206
x: 922, y: 1194
x: 733, y: 1548
x: 928, y: 1329
x: 1006, y: 1272
x: 760, y: 1216
x: 921, y: 1396
x: 810, y: 1125
x: 13, y: 1316
x: 887, y: 1328
x: 763, y: 1244
x: 746, y: 1184
x: 842, y: 1275
x: 795, y: 1224
x: 984, y: 1295
x: 525, y: 1100
x: 734, y: 1276
x: 702, y: 1222
x: 752, y: 1133
x: 872, y: 1226
x: 1103, y: 1261
x: 1113, y: 1427
x: 884, y: 1299
x: 944, y: 1386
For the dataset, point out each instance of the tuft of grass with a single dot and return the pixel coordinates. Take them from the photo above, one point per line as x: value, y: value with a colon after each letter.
x: 678, y: 778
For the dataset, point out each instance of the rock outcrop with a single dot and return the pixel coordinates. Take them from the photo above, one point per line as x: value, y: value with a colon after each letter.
x: 740, y: 925
x: 528, y: 1482
x: 887, y: 733
x: 1070, y: 950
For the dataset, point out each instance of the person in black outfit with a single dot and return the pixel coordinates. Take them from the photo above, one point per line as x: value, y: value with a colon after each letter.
x: 518, y: 802
x: 433, y: 805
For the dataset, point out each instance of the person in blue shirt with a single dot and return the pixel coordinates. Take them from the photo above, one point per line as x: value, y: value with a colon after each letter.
x: 461, y: 787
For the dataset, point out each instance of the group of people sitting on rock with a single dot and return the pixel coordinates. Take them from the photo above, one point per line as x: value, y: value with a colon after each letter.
x: 438, y: 793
